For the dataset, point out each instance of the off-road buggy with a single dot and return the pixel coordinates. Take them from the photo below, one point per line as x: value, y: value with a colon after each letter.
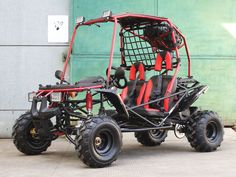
x: 149, y: 107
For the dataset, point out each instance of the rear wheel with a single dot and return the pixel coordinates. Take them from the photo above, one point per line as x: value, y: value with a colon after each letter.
x: 151, y: 137
x: 26, y: 138
x: 205, y: 131
x: 99, y: 142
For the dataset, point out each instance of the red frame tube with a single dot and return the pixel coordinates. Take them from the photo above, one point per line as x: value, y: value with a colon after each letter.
x: 69, y: 52
x: 79, y: 89
x: 112, y: 50
x: 188, y: 56
x: 122, y: 47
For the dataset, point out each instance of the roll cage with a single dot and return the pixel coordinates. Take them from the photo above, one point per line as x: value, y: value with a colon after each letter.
x: 133, y: 42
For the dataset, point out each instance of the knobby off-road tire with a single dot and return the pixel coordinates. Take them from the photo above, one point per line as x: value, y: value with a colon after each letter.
x: 23, y: 139
x: 205, y: 131
x: 99, y: 141
x: 151, y: 137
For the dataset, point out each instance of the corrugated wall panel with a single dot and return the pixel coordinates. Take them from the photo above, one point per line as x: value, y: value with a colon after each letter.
x: 212, y: 47
x: 207, y: 25
x: 92, y: 44
x: 26, y: 57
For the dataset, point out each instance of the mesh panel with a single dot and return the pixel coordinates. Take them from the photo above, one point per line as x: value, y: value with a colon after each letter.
x: 136, y: 43
x: 136, y: 49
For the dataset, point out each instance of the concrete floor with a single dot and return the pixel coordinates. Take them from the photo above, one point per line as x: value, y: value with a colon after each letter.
x: 173, y: 158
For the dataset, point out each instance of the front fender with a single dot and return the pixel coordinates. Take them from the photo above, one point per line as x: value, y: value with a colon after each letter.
x: 115, y: 100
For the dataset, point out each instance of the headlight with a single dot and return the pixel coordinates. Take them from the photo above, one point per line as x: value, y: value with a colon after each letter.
x: 107, y: 14
x: 55, y: 96
x: 72, y: 94
x: 31, y: 95
x: 80, y: 20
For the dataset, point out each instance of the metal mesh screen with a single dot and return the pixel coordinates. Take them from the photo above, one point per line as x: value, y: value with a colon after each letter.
x: 136, y: 49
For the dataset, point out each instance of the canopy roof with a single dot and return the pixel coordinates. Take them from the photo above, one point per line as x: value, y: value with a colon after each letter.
x: 128, y: 19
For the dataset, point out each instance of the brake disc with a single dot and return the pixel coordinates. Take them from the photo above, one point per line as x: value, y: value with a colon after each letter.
x: 178, y: 131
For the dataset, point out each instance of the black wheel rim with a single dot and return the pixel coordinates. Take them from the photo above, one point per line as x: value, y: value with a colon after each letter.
x: 103, y: 142
x: 34, y: 140
x: 212, y: 131
x: 157, y: 134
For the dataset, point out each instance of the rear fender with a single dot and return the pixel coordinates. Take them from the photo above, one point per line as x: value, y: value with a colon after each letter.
x: 115, y: 100
x: 192, y: 97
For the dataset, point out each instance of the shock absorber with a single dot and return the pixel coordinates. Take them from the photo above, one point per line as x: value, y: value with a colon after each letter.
x: 89, y: 102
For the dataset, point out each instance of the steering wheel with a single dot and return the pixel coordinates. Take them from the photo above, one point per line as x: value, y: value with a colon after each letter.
x: 118, y: 77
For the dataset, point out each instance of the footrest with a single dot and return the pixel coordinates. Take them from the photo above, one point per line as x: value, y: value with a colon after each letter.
x: 150, y: 113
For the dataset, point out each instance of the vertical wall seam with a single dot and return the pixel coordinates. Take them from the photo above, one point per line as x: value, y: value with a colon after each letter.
x: 157, y: 7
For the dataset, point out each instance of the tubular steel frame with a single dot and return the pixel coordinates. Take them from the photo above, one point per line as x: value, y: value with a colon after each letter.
x: 116, y: 19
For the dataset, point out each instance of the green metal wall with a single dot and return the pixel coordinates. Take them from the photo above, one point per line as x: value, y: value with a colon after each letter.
x: 207, y: 25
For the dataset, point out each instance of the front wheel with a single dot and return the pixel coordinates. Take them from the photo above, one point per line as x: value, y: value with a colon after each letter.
x: 205, y: 131
x: 99, y: 142
x: 25, y: 137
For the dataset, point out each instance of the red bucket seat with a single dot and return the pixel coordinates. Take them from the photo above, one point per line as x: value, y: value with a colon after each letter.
x: 158, y: 86
x: 133, y: 94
